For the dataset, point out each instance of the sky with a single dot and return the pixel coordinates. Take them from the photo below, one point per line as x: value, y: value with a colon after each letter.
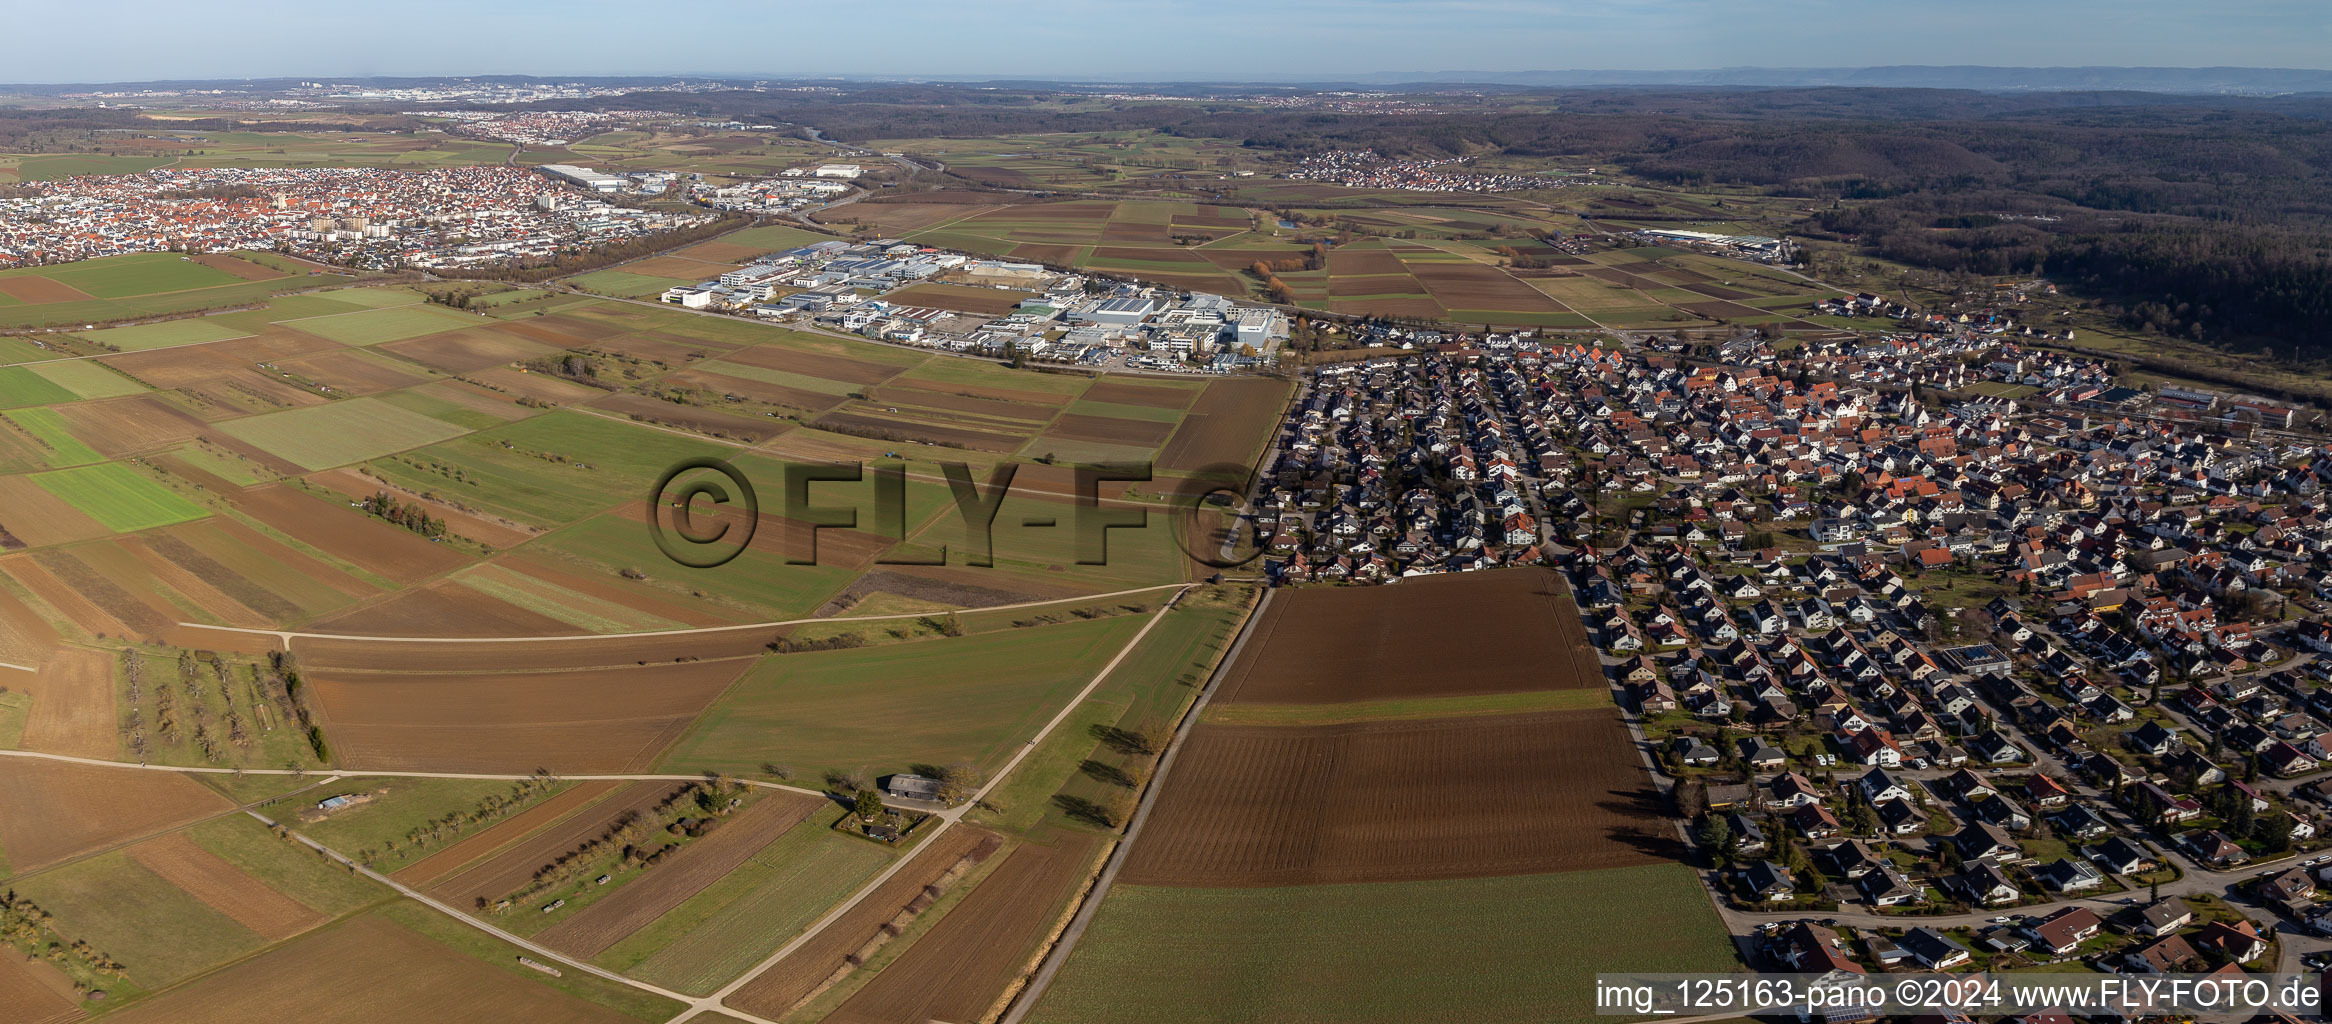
x: 144, y: 40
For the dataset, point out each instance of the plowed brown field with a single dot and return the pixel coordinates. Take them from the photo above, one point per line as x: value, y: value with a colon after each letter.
x: 792, y: 979
x: 369, y: 543
x: 224, y: 887
x: 1123, y: 393
x: 595, y: 720
x: 1109, y: 430
x: 1504, y: 631
x: 680, y: 876
x: 72, y: 705
x: 814, y: 364
x: 34, y: 289
x: 984, y: 301
x: 467, y: 349
x: 132, y: 424
x: 960, y: 969
x: 1401, y: 801
x: 364, y: 972
x: 30, y: 993
x: 52, y: 810
x: 1230, y: 423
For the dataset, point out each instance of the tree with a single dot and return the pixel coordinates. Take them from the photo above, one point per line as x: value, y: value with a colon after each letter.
x: 1692, y: 798
x: 1862, y: 818
x: 869, y: 804
x: 1717, y: 837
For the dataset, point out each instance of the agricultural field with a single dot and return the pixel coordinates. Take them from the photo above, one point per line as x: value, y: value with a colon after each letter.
x: 140, y: 285
x: 883, y: 708
x: 1334, y: 646
x: 1509, y: 949
x: 1273, y: 846
x: 1465, y: 260
x: 186, y: 489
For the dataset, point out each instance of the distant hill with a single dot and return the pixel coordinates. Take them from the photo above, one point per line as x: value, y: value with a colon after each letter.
x: 2192, y: 81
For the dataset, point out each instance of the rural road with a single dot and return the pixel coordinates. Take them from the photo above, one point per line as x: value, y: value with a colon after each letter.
x: 1026, y: 1000
x: 947, y: 819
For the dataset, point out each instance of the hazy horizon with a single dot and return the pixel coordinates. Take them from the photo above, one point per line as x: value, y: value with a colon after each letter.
x: 1180, y: 40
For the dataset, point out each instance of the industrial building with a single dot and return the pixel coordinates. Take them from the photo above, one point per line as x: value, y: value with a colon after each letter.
x: 584, y: 177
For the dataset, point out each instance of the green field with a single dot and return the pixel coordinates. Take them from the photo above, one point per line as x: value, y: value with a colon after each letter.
x: 1148, y: 691
x: 623, y: 283
x: 381, y: 824
x: 168, y: 333
x: 288, y: 868
x: 718, y: 933
x: 967, y: 699
x: 45, y: 166
x: 59, y: 446
x: 1516, y: 949
x: 389, y: 323
x: 159, y: 931
x: 21, y: 387
x: 551, y: 469
x: 774, y: 237
x: 102, y: 310
x: 758, y: 585
x: 86, y: 378
x: 141, y: 274
x: 323, y: 436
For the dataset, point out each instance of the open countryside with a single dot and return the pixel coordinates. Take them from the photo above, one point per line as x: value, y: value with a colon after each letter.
x: 933, y: 532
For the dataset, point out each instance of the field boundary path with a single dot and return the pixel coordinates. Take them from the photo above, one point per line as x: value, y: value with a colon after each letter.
x: 1027, y: 998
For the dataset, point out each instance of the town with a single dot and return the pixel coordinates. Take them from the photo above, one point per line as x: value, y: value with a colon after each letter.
x: 1939, y: 677
x: 369, y: 218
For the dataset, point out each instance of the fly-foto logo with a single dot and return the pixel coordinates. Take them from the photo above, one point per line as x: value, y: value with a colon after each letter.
x: 705, y: 512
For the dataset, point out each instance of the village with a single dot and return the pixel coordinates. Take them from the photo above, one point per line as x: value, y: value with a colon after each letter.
x: 1939, y: 677
x: 1365, y: 169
